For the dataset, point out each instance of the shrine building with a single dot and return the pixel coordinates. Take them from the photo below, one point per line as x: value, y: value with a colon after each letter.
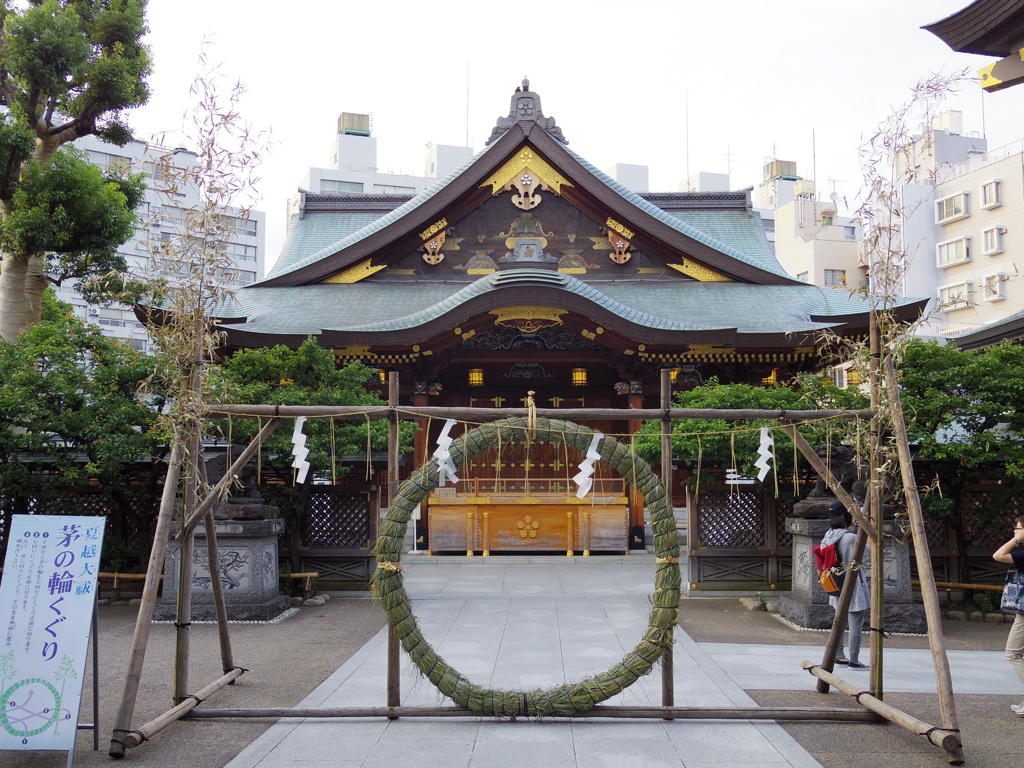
x: 527, y: 269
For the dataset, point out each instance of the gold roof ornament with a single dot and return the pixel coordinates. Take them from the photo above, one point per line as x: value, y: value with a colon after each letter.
x: 700, y: 272
x: 356, y: 273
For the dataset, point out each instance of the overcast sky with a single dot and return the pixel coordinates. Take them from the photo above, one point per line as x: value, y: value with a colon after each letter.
x: 760, y: 78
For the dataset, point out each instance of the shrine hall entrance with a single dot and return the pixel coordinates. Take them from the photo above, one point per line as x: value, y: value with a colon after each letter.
x: 521, y: 499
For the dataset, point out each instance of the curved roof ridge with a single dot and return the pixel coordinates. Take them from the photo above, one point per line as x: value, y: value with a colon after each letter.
x: 680, y: 226
x: 380, y: 223
x: 498, y: 280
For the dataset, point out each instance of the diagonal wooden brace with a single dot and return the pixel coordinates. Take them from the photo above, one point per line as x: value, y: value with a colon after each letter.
x: 229, y: 477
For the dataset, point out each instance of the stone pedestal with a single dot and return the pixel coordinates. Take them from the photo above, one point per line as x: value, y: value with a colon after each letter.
x: 807, y: 604
x: 248, y: 561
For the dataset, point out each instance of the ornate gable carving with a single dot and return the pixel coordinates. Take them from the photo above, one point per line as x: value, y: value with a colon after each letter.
x: 525, y: 107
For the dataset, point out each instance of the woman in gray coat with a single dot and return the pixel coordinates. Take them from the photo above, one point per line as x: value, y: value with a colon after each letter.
x: 840, y: 535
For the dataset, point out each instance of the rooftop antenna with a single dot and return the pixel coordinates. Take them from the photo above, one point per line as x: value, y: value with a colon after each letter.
x: 687, y: 126
x: 728, y: 160
x: 835, y: 197
x: 814, y: 161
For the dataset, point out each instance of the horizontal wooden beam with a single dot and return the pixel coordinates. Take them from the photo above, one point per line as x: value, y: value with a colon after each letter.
x: 654, y: 712
x: 493, y: 414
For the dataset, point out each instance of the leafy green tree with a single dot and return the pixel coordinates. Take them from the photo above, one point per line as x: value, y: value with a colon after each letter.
x: 718, y: 439
x: 304, y: 376
x: 69, y: 412
x: 965, y: 413
x: 68, y: 69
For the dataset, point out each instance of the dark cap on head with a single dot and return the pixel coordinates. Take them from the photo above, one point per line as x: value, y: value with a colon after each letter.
x: 837, y: 508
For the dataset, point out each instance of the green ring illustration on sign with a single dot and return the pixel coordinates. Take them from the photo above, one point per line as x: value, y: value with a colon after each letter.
x: 22, y: 731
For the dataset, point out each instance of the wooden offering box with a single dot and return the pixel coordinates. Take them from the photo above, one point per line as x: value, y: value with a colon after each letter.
x: 488, y: 515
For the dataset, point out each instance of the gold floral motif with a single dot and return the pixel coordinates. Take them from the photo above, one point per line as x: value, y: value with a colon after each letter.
x: 528, y: 527
x: 528, y: 319
x: 701, y: 273
x: 620, y: 228
x: 432, y: 249
x: 433, y: 229
x: 356, y: 273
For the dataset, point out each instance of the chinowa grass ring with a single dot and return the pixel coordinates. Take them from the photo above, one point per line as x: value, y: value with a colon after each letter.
x: 568, y: 698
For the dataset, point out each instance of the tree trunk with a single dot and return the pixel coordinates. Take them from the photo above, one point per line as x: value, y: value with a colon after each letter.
x: 36, y: 284
x: 15, y: 309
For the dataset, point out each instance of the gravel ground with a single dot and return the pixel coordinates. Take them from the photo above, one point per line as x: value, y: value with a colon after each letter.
x: 286, y: 660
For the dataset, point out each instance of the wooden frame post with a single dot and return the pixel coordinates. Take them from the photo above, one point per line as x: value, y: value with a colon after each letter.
x: 183, y: 609
x: 394, y: 692
x: 668, y: 683
x: 216, y: 581
x: 876, y: 615
x: 123, y: 723
x: 929, y: 595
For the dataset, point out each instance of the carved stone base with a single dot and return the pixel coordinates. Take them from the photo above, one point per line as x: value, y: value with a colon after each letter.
x: 248, y: 560
x: 898, y: 618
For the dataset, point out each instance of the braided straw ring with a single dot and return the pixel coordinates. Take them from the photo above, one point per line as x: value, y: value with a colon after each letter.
x: 567, y: 698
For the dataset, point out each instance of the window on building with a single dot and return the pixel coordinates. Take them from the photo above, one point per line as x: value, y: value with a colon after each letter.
x: 992, y: 241
x: 835, y: 277
x: 826, y: 221
x: 957, y: 296
x: 850, y: 233
x: 951, y: 208
x: 105, y: 161
x: 245, y: 227
x: 139, y: 344
x: 992, y: 287
x: 768, y: 224
x: 802, y: 277
x: 348, y: 187
x: 990, y: 194
x: 954, y: 252
x: 172, y: 213
x: 390, y: 189
x: 240, y: 251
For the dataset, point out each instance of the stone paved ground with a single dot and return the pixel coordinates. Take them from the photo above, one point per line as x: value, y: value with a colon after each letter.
x: 289, y: 659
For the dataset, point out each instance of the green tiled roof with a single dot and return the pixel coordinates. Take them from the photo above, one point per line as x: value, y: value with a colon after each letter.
x: 309, y: 234
x: 322, y: 234
x: 331, y: 247
x: 673, y: 305
x: 755, y: 253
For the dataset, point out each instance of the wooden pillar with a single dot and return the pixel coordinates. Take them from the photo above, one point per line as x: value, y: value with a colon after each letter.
x: 394, y: 693
x: 668, y: 684
x: 636, y: 499
x: 421, y: 453
x: 876, y: 614
x: 183, y: 612
x: 929, y: 595
x: 143, y: 622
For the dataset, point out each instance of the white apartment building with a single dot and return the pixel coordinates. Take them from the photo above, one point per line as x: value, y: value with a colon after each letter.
x: 811, y: 240
x: 159, y: 217
x: 978, y: 210
x: 354, y: 167
x: 963, y: 206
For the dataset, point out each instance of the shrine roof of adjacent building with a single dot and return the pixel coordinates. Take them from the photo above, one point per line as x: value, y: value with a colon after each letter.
x: 985, y: 27
x: 1011, y: 328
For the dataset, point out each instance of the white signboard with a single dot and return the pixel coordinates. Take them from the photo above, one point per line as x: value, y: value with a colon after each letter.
x: 46, y: 605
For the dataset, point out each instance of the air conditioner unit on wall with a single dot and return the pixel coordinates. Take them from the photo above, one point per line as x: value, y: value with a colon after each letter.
x: 94, y: 312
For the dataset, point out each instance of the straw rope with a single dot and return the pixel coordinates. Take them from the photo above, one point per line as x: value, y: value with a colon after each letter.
x: 567, y: 698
